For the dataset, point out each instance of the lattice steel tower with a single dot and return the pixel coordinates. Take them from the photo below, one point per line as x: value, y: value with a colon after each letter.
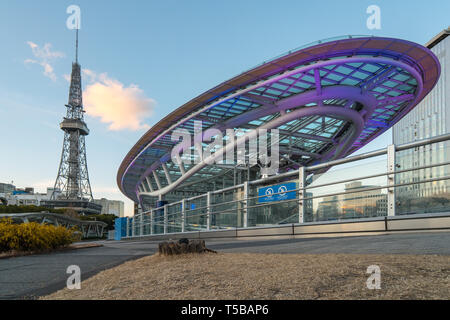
x: 73, y: 179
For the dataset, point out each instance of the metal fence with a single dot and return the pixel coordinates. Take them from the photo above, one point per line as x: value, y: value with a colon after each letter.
x: 396, y: 180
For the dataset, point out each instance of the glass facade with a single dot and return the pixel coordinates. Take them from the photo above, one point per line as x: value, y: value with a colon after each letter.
x: 428, y: 119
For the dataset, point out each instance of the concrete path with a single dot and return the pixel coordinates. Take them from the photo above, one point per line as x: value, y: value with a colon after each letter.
x: 30, y: 276
x: 407, y: 243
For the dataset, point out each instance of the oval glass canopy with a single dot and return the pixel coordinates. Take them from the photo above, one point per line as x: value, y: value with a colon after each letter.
x: 326, y: 100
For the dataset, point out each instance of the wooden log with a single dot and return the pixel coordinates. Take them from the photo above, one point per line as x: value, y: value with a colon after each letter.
x: 170, y: 248
x: 183, y: 240
x: 162, y: 247
x: 183, y: 246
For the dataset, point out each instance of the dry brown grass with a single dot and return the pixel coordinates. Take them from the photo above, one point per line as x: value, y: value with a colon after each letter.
x: 268, y: 276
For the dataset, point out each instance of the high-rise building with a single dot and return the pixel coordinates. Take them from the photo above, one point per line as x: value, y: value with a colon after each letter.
x: 358, y: 201
x: 430, y: 118
x: 7, y: 188
x: 115, y: 207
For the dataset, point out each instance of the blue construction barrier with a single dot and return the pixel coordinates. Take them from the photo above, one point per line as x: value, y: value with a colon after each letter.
x: 120, y: 226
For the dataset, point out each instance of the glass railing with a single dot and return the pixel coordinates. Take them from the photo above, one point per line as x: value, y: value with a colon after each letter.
x: 360, y: 186
x: 314, y: 43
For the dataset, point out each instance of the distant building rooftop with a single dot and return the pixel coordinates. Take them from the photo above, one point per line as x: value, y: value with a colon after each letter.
x: 438, y: 38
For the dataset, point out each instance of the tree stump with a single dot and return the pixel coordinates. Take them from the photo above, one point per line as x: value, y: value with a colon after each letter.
x: 183, y: 246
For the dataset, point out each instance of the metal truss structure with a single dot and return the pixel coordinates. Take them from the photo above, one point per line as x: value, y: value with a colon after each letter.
x: 88, y: 228
x: 327, y: 100
x: 73, y: 178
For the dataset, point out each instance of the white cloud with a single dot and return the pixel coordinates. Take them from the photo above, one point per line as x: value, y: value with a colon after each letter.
x: 89, y: 75
x: 123, y: 107
x: 44, y: 57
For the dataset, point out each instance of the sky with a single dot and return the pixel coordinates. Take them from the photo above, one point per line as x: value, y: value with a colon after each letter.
x: 143, y: 59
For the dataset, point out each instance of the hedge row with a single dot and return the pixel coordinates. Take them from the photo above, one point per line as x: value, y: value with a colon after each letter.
x: 33, y: 236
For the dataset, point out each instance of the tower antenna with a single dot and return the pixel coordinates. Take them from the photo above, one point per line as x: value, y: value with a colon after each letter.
x: 76, y: 46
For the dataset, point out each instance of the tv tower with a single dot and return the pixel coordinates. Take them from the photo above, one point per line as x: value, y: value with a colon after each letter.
x: 72, y: 187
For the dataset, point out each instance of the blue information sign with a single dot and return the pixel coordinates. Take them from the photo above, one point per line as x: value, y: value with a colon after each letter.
x: 280, y: 189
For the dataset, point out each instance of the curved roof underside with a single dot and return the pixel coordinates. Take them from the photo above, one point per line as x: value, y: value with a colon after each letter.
x: 392, y: 76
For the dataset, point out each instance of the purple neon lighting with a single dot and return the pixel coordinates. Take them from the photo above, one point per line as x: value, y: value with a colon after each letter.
x: 317, y: 95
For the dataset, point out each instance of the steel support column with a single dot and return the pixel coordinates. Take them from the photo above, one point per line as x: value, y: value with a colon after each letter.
x: 391, y: 179
x: 183, y: 215
x: 301, y: 194
x: 151, y: 221
x: 245, y: 204
x: 158, y: 183
x: 149, y: 184
x: 208, y: 210
x: 166, y: 220
x: 167, y: 173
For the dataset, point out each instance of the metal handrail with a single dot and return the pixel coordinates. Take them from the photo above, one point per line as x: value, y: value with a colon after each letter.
x: 328, y: 195
x: 363, y: 156
x: 318, y: 196
x: 154, y: 221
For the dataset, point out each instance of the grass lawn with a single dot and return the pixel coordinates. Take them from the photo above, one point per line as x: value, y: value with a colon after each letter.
x: 268, y: 276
